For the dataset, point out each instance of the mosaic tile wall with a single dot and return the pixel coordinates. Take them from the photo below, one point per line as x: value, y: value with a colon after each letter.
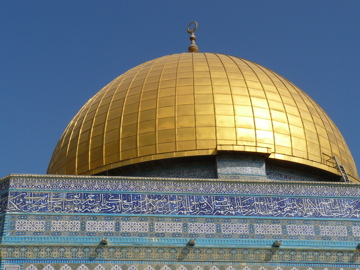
x: 151, y: 220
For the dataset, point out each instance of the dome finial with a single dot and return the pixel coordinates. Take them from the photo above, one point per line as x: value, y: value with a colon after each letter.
x: 193, y: 47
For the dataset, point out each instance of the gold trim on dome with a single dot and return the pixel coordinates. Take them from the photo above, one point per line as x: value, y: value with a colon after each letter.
x: 195, y: 104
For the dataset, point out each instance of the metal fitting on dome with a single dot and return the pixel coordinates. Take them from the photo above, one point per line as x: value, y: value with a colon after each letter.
x: 193, y: 47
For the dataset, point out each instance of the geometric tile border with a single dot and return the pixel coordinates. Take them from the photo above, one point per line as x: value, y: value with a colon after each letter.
x: 128, y: 184
x: 179, y: 266
x: 118, y: 226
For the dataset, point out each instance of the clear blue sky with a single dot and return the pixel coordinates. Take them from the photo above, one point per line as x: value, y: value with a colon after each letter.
x: 55, y: 55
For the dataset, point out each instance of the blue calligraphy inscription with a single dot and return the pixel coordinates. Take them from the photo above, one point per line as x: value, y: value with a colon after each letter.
x: 157, y: 204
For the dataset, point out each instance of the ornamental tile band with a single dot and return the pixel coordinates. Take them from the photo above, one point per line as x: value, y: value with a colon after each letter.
x: 168, y: 266
x: 127, y: 184
x: 184, y: 254
x: 217, y: 228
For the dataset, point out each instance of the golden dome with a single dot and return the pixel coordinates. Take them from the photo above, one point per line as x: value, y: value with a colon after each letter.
x: 194, y: 104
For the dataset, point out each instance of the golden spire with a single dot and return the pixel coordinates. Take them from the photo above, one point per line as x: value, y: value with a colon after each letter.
x: 193, y: 47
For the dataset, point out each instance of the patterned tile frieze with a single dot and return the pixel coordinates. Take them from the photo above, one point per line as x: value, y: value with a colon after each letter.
x: 165, y: 204
x: 231, y: 229
x: 182, y: 227
x: 201, y: 228
x: 356, y: 230
x: 134, y: 226
x: 30, y: 225
x: 183, y: 254
x: 272, y: 229
x: 63, y: 226
x: 171, y: 266
x: 301, y: 229
x: 100, y: 226
x: 122, y: 184
x: 333, y: 230
x: 169, y: 227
